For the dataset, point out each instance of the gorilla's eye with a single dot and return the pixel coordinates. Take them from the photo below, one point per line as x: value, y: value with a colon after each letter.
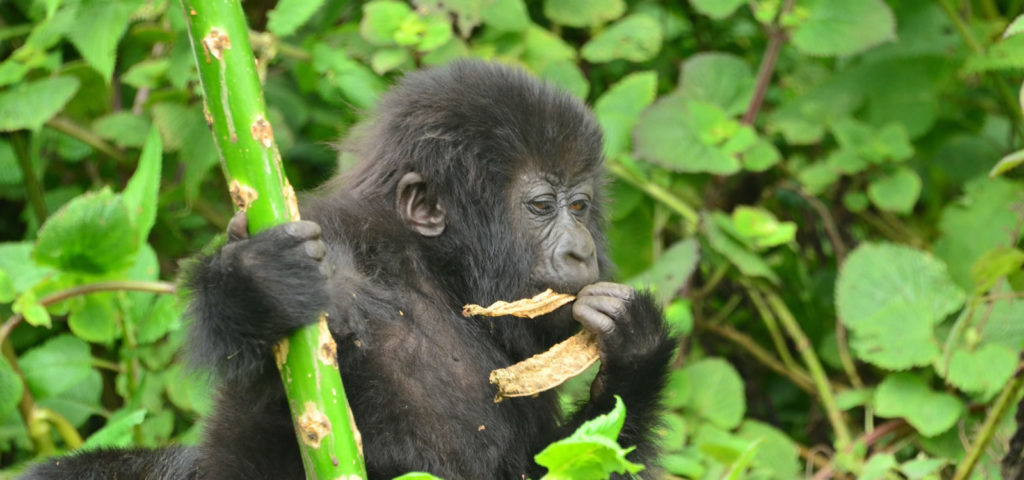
x: 541, y: 207
x: 579, y: 206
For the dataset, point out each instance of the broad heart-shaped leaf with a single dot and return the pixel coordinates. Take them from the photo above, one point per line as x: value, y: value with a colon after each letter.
x: 117, y: 432
x: 11, y: 388
x: 896, y: 192
x: 619, y: 108
x: 101, y: 26
x: 715, y: 392
x: 906, y: 395
x: 983, y: 371
x: 842, y: 27
x: 717, y: 9
x: 591, y: 452
x: 56, y: 365
x: 30, y: 104
x: 91, y: 234
x: 583, y: 13
x: 636, y: 38
x: 506, y: 15
x: 719, y: 78
x: 80, y: 401
x: 289, y: 15
x: 140, y: 195
x: 381, y: 19
x: 682, y: 135
x: 670, y: 271
x: 891, y: 297
x: 776, y: 454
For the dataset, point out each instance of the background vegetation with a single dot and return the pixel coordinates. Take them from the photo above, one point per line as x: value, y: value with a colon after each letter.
x: 821, y: 192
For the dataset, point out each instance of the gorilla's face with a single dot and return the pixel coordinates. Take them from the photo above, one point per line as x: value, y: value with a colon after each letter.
x: 554, y: 215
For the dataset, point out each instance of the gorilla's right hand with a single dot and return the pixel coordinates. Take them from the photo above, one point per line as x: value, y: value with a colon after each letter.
x: 256, y: 290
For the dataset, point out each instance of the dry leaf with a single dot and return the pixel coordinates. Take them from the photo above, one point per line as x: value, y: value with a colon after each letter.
x: 541, y: 304
x: 547, y: 370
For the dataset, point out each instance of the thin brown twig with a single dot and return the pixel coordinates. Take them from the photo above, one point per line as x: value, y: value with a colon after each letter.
x: 776, y: 37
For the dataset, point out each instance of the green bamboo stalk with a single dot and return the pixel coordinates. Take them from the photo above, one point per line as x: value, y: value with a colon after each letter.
x: 329, y: 442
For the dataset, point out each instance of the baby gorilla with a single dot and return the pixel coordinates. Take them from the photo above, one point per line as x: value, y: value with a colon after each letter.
x: 477, y: 183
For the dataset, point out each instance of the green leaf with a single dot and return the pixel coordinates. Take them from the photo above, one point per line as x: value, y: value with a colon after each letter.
x: 97, y: 38
x: 891, y: 297
x: 923, y: 468
x: 56, y: 365
x: 7, y: 291
x: 506, y: 15
x: 896, y: 192
x: 717, y: 9
x: 16, y: 261
x: 737, y: 469
x: 117, y: 432
x: 984, y: 370
x: 715, y: 392
x: 591, y: 452
x: 353, y: 79
x: 842, y: 27
x: 761, y: 156
x: 164, y: 316
x: 619, y: 108
x: 636, y: 38
x: 670, y: 271
x: 878, y: 467
x: 147, y: 73
x: 123, y: 128
x: 993, y: 265
x: 776, y: 454
x: 35, y: 314
x: 979, y: 221
x: 905, y: 395
x: 189, y: 390
x: 96, y: 320
x: 289, y: 15
x: 683, y: 465
x: 677, y: 390
x: 11, y: 388
x: 79, y: 402
x: 29, y: 105
x: 671, y: 432
x: 541, y: 48
x: 761, y: 228
x: 91, y: 234
x: 583, y: 13
x: 683, y: 136
x: 417, y: 476
x: 382, y: 19
x: 719, y: 78
x: 817, y: 177
x: 566, y: 74
x: 1007, y: 163
x: 749, y: 263
x: 140, y: 195
x: 1015, y: 27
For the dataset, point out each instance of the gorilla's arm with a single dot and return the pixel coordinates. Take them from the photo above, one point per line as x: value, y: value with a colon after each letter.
x: 254, y: 292
x: 635, y: 354
x: 166, y: 463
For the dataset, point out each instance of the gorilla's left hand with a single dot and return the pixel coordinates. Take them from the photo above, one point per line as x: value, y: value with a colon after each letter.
x: 627, y: 334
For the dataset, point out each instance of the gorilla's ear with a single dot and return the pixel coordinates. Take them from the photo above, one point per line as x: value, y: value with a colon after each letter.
x: 419, y: 207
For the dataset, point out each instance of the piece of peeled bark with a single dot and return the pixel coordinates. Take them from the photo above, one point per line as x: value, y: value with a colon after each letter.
x: 540, y: 304
x: 547, y: 370
x: 543, y: 371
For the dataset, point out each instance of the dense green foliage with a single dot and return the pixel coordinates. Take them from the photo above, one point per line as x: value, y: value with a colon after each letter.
x: 821, y: 192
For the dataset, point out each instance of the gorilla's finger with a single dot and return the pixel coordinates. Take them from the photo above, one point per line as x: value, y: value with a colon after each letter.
x: 608, y: 289
x: 303, y: 230
x: 238, y: 227
x: 610, y: 306
x: 592, y: 319
x: 315, y: 249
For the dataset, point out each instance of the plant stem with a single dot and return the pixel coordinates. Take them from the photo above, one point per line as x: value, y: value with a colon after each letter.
x: 28, y: 174
x: 821, y: 382
x: 119, y: 285
x: 988, y: 429
x: 776, y: 37
x: 68, y: 127
x: 658, y: 193
x: 329, y: 444
x: 799, y: 378
x: 773, y: 327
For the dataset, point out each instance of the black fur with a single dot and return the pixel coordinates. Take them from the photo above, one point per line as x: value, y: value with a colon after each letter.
x: 415, y: 370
